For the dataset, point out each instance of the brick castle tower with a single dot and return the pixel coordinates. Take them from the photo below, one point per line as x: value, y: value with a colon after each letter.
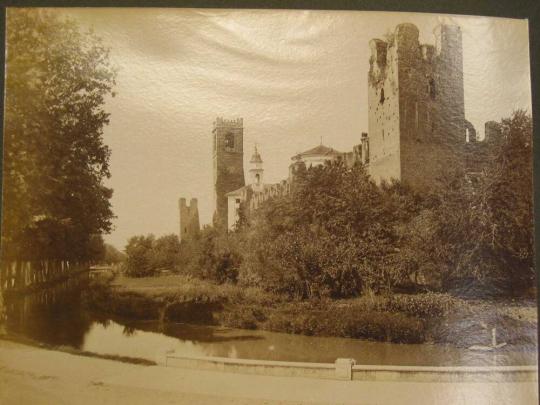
x: 416, y: 105
x: 189, y: 219
x: 228, y: 156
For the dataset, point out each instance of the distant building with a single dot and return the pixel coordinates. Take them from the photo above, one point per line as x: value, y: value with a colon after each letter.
x: 250, y: 197
x: 189, y: 219
x: 317, y: 156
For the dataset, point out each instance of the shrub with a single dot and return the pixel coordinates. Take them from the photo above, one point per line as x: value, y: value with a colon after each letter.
x: 139, y: 256
x: 214, y: 256
x: 242, y: 317
x: 428, y: 305
x: 347, y: 321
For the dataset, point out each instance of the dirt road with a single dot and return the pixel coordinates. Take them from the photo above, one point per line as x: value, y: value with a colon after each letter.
x: 30, y: 375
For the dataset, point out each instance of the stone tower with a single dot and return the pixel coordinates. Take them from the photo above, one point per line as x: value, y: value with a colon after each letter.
x: 228, y: 155
x: 189, y: 219
x: 416, y: 104
x: 256, y: 171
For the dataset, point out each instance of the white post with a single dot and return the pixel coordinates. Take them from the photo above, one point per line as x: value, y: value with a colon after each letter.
x: 344, y: 368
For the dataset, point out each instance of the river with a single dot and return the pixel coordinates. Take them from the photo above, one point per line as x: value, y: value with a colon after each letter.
x: 56, y: 317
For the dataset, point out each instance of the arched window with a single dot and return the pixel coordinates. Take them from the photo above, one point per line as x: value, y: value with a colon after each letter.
x: 229, y: 140
x: 431, y: 88
x: 258, y: 178
x: 382, y: 96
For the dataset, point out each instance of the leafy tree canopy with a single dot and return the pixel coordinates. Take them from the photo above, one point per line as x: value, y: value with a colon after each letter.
x: 55, y: 160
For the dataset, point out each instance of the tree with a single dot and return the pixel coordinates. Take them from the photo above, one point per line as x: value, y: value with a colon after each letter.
x: 479, y: 234
x: 165, y: 252
x: 55, y: 161
x: 507, y: 199
x: 139, y: 256
x: 336, y: 234
x: 113, y: 255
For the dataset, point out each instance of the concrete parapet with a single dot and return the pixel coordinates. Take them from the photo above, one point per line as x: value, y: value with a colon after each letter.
x: 445, y: 374
x: 346, y: 369
x: 261, y: 367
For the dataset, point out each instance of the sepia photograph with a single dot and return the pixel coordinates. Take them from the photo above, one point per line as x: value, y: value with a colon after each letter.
x: 248, y: 206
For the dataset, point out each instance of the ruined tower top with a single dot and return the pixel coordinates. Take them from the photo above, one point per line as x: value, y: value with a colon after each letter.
x: 189, y: 219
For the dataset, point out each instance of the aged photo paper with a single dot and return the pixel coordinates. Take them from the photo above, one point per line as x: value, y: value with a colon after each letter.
x: 205, y: 206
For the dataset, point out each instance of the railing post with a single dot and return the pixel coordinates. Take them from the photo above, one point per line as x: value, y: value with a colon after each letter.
x: 344, y: 368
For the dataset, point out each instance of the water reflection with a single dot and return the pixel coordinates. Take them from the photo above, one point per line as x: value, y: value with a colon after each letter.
x: 142, y: 340
x: 52, y: 316
x: 55, y: 317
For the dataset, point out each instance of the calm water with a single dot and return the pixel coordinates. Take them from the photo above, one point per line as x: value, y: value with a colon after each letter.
x: 55, y: 317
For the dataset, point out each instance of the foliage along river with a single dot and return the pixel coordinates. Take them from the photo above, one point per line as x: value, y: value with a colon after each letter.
x: 55, y: 317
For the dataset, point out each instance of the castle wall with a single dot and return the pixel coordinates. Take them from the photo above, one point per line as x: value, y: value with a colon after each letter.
x: 228, y: 159
x: 492, y: 132
x: 189, y: 219
x: 383, y: 113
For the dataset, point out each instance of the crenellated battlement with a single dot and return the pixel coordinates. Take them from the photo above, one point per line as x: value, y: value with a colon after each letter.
x: 225, y: 123
x: 403, y: 46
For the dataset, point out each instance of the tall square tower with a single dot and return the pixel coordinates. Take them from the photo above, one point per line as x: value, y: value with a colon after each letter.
x: 228, y: 156
x: 416, y: 105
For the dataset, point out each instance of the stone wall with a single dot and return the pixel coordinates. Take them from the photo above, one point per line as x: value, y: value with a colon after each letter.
x: 384, y: 111
x: 280, y: 189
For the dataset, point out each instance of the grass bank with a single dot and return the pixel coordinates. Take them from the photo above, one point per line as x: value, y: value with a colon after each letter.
x: 399, y: 318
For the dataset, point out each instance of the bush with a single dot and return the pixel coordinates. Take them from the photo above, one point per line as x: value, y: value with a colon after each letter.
x: 428, y: 305
x: 139, y: 256
x: 241, y: 317
x: 213, y: 256
x: 347, y: 321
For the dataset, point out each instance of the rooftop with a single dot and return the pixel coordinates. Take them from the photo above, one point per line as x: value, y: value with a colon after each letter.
x: 246, y: 187
x: 320, y: 150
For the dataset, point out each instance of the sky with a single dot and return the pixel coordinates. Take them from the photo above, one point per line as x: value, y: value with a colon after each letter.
x: 295, y: 77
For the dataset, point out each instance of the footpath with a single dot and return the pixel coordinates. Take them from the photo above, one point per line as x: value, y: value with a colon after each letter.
x: 31, y: 375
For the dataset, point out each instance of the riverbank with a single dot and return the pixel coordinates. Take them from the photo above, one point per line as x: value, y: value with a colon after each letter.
x: 420, y: 318
x: 30, y: 375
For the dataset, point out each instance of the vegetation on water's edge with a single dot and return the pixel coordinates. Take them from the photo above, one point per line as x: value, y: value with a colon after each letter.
x: 338, y: 233
x: 399, y: 318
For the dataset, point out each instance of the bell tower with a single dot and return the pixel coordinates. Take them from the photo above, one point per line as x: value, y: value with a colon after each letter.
x: 228, y: 157
x: 256, y: 171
